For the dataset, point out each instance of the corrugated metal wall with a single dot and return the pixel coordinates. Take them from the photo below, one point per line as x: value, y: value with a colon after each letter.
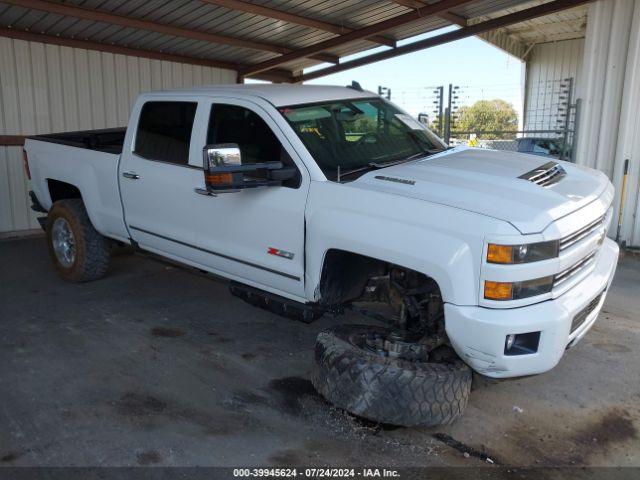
x: 610, y: 120
x: 47, y: 88
x: 548, y: 63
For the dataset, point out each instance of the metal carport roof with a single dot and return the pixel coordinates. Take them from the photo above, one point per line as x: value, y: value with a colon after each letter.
x: 520, y: 38
x: 269, y: 39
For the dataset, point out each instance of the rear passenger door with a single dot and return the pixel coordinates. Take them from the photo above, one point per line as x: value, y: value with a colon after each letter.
x: 158, y: 170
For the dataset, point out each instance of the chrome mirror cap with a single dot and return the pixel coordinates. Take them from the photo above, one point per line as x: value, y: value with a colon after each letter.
x: 222, y: 155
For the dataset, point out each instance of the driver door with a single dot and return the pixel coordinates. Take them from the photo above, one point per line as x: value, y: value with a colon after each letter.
x: 255, y: 236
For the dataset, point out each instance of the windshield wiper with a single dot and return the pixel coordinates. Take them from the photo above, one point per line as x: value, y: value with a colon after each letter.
x: 370, y: 166
x: 376, y: 166
x: 414, y: 156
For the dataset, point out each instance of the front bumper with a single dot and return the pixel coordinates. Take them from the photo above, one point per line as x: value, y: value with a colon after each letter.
x: 478, y: 334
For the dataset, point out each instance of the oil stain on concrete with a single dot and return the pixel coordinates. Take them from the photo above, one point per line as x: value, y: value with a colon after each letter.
x: 166, y: 332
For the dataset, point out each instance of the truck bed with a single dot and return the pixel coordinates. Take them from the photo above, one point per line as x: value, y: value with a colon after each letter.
x: 107, y: 140
x: 87, y: 161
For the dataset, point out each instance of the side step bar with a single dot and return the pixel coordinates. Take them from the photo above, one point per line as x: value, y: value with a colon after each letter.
x: 302, y: 312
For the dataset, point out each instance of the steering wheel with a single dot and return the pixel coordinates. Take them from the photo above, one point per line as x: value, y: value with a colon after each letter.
x: 368, y: 137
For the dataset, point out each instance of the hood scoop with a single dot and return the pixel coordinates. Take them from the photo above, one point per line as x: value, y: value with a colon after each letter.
x: 546, y: 175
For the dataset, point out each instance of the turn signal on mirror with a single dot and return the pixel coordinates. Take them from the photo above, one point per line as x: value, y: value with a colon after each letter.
x: 219, y: 178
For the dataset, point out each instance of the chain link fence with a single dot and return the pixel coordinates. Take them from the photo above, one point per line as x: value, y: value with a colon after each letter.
x: 486, y: 117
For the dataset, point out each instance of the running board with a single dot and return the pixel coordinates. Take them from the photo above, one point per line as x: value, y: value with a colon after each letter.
x: 302, y: 312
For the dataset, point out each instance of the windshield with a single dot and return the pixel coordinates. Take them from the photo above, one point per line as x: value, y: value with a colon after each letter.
x: 354, y: 136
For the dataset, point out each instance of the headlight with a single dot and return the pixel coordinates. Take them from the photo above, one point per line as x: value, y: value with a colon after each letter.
x: 517, y: 290
x: 532, y: 252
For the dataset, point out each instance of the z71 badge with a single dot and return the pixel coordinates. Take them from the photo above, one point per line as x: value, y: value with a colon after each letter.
x: 280, y: 253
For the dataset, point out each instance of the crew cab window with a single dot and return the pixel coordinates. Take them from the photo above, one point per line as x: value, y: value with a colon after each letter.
x: 257, y: 142
x: 164, y: 131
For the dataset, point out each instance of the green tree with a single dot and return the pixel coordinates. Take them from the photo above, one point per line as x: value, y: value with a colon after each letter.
x: 488, y: 116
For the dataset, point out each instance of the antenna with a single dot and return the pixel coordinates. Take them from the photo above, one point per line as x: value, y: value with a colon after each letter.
x: 338, y: 174
x: 355, y: 85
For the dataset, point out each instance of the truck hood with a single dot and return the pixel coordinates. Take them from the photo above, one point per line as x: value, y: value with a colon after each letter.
x: 487, y: 182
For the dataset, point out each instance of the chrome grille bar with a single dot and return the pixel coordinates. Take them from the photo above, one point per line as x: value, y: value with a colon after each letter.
x: 584, y: 232
x: 572, y: 271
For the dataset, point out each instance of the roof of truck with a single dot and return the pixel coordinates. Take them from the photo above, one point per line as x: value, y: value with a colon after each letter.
x: 280, y: 94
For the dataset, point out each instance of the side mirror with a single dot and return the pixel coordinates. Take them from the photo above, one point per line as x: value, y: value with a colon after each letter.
x: 224, y: 171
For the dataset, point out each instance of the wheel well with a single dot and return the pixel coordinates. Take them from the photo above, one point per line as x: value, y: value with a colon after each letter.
x: 59, y: 190
x: 346, y: 274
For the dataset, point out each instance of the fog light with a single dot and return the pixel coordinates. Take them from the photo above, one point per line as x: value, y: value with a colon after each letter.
x: 521, y: 343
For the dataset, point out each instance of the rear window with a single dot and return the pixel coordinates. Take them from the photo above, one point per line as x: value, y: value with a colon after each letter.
x: 164, y: 131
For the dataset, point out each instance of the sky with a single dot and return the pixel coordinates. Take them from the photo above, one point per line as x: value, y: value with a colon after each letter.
x: 481, y: 70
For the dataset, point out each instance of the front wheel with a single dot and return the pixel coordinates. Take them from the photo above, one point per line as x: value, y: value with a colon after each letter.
x: 357, y: 378
x: 78, y: 251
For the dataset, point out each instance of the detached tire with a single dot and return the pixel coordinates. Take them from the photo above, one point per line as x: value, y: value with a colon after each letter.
x: 383, y: 389
x: 78, y: 251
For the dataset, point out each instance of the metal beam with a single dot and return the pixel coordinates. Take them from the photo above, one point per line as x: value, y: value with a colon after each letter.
x: 448, y: 16
x: 273, y: 75
x: 471, y: 30
x: 271, y: 12
x: 409, y: 3
x: 375, y: 29
x: 455, y: 19
x: 11, y: 140
x: 130, y: 22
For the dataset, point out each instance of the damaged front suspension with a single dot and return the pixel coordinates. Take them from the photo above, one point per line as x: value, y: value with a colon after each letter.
x: 412, y: 305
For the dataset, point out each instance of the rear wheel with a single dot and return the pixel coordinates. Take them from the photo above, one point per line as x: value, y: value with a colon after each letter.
x: 78, y: 251
x: 355, y: 372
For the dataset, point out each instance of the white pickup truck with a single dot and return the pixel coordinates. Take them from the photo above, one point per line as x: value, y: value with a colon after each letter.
x: 315, y: 199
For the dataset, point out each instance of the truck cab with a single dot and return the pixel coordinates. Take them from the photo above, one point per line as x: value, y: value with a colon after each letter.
x: 171, y: 212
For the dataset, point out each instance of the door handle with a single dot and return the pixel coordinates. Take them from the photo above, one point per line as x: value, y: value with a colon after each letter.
x: 204, y: 191
x: 131, y: 175
x: 207, y: 193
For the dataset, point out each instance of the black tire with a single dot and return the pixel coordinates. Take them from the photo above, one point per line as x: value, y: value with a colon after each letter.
x: 92, y: 250
x: 387, y: 390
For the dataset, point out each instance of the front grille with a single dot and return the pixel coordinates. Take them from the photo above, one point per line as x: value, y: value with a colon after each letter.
x: 582, y: 315
x: 572, y: 271
x: 584, y: 232
x: 546, y: 175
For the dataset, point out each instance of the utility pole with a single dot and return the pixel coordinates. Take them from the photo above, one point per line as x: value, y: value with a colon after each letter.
x: 452, y: 104
x: 439, y: 106
x: 447, y: 116
x: 384, y: 92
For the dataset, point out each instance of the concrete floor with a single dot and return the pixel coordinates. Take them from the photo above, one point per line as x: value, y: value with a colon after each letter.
x: 155, y: 365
